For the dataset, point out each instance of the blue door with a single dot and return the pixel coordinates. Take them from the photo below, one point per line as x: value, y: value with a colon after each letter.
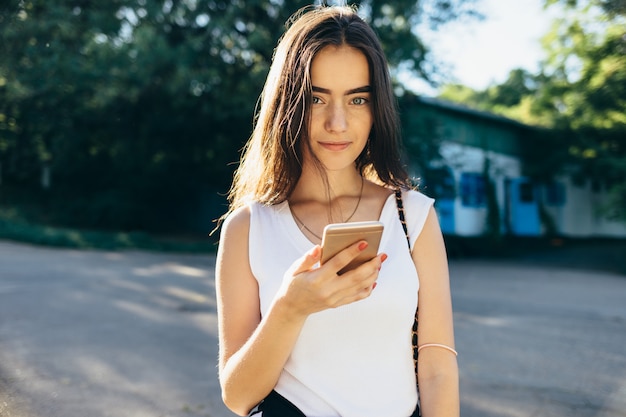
x: 523, y: 208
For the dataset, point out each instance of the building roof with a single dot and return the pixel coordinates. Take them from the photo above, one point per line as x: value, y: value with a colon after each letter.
x: 467, y: 111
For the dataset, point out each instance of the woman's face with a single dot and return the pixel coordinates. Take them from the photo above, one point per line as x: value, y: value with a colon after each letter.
x: 341, y: 113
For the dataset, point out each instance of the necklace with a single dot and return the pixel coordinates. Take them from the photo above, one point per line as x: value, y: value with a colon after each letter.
x: 345, y: 221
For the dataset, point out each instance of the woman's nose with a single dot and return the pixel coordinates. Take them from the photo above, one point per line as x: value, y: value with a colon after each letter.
x: 337, y: 120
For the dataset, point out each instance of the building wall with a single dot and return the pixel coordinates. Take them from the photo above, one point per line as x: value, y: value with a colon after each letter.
x: 580, y: 212
x: 470, y: 220
x: 464, y: 139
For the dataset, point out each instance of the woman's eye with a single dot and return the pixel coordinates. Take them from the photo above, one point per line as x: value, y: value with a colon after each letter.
x: 316, y: 100
x: 359, y: 101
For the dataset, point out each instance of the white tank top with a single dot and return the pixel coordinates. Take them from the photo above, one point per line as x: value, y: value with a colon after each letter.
x: 355, y: 360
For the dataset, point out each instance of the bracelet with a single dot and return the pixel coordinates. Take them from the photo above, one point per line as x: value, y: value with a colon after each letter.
x: 437, y: 345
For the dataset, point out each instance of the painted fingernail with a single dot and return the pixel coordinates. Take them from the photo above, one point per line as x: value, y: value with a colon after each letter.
x: 383, y: 257
x: 374, y: 285
x: 362, y: 245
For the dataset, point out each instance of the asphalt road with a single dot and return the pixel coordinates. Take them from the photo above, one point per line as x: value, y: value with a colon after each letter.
x: 92, y: 333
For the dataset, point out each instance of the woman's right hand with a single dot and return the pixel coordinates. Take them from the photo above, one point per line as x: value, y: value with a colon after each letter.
x: 308, y: 288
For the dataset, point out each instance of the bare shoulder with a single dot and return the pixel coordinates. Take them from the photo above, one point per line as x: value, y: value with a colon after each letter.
x: 430, y: 237
x: 380, y: 192
x: 232, y: 253
x: 429, y: 252
x: 236, y: 223
x: 234, y: 277
x: 374, y: 198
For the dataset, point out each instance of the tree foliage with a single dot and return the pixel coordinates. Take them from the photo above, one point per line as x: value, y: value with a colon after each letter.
x: 580, y: 94
x: 130, y: 113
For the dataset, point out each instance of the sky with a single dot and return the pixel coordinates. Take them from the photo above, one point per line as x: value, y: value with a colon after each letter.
x: 484, y: 52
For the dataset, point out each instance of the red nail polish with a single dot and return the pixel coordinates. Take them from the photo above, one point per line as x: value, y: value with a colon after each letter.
x: 374, y: 285
x: 384, y: 257
x: 362, y: 245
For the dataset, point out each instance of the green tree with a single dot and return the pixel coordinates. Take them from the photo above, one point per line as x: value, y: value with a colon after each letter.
x: 132, y: 112
x: 586, y: 92
x: 579, y: 94
x: 515, y: 98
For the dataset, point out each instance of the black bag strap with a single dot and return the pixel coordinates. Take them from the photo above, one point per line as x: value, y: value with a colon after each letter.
x: 400, y: 206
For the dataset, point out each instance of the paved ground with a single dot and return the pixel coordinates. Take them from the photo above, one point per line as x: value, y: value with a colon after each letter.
x: 90, y: 333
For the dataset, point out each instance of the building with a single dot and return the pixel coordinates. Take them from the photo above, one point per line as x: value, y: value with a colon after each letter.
x: 475, y: 164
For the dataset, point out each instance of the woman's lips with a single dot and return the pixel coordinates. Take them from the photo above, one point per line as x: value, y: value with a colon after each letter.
x: 334, y: 146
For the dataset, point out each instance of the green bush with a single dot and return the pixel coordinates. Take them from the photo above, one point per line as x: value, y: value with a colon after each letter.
x: 13, y: 226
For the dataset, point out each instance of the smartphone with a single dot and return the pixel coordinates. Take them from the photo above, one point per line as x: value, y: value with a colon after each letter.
x: 338, y: 236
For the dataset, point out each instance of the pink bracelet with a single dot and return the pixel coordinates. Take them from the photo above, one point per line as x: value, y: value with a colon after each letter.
x: 425, y: 345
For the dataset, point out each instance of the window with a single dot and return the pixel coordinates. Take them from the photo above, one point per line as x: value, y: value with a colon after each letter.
x: 473, y: 189
x: 526, y: 192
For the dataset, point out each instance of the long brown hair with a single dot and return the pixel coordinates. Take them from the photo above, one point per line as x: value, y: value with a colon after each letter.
x: 271, y: 163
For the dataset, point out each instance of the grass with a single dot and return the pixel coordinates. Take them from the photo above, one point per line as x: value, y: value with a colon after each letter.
x: 15, y: 227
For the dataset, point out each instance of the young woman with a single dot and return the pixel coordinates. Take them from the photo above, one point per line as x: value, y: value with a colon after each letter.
x: 296, y: 338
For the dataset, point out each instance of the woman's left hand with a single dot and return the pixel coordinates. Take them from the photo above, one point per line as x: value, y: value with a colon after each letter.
x: 310, y: 288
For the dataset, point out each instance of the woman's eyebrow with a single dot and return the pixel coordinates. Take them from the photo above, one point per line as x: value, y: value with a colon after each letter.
x: 364, y: 89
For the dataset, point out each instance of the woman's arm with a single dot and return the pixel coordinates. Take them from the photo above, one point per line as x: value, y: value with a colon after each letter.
x: 253, y: 351
x: 247, y: 374
x: 438, y: 369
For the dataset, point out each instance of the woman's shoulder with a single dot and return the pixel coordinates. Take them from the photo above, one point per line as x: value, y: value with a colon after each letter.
x: 253, y: 213
x: 416, y: 197
x: 412, y: 199
x: 417, y: 208
x: 237, y: 221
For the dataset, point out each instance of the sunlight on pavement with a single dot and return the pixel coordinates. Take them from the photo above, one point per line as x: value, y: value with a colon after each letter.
x: 185, y: 294
x: 144, y: 312
x: 616, y: 402
x: 489, y: 407
x: 170, y: 268
x: 98, y: 371
x: 490, y: 321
